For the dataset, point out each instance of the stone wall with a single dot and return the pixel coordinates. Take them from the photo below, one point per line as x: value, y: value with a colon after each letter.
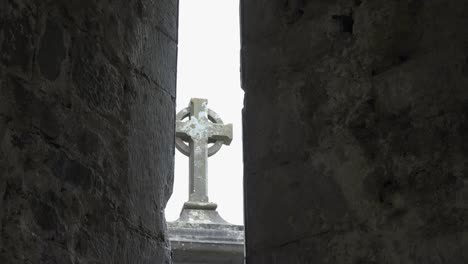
x: 87, y: 98
x: 355, y: 131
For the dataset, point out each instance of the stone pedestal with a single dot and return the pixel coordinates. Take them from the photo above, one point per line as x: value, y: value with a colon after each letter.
x: 202, y: 236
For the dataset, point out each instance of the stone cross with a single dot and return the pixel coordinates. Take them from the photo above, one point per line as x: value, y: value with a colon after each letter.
x: 202, y: 128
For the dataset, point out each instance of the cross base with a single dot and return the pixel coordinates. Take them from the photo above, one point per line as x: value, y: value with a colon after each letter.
x: 200, y: 206
x: 200, y: 216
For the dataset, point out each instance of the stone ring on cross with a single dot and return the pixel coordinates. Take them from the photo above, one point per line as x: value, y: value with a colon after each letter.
x: 213, y: 117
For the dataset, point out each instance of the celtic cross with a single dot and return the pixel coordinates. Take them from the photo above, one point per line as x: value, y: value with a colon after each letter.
x: 202, y: 128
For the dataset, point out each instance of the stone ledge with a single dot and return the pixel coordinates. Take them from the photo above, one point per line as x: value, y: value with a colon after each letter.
x: 203, y: 236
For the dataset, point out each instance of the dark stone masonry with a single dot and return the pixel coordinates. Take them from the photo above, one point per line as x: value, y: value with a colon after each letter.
x: 87, y: 99
x: 355, y: 131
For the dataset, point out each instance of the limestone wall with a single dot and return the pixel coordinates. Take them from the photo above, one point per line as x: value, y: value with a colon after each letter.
x: 87, y: 98
x: 356, y: 131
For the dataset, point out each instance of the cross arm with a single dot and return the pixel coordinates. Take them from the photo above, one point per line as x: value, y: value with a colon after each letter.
x: 221, y: 132
x: 183, y: 130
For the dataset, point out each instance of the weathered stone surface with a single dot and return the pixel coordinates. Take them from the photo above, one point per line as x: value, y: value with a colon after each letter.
x: 355, y: 131
x: 201, y: 127
x: 202, y: 236
x: 52, y: 50
x: 86, y: 130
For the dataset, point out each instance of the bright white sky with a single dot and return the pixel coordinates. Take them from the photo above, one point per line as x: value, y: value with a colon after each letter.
x: 208, y: 67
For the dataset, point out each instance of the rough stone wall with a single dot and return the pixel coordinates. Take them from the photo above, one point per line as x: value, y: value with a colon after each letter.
x: 87, y: 91
x: 356, y: 131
